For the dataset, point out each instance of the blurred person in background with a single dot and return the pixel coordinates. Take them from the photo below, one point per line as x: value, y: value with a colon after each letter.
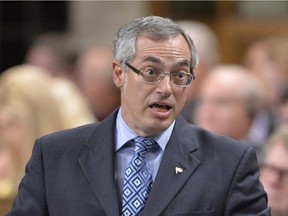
x: 73, y: 105
x: 207, y: 45
x: 267, y: 58
x: 274, y: 171
x: 7, y: 178
x: 283, y: 108
x: 31, y: 106
x: 7, y: 170
x: 228, y: 100
x: 93, y: 74
x: 54, y: 52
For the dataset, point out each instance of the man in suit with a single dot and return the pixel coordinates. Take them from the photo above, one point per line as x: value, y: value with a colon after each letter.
x: 82, y: 171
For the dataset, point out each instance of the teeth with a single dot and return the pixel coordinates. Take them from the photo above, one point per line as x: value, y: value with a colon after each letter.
x: 160, y: 107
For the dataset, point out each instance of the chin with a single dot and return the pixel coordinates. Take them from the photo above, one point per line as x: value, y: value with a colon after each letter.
x: 160, y: 127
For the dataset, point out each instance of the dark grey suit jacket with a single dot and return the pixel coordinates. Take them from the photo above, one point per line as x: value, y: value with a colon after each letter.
x: 71, y: 173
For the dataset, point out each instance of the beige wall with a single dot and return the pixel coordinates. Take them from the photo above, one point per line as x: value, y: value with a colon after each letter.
x: 97, y: 21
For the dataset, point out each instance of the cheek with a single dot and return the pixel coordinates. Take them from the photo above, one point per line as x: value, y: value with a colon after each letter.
x: 181, y: 98
x: 133, y: 96
x: 181, y: 103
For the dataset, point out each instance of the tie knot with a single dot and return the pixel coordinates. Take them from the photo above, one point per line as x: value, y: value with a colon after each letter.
x: 143, y: 145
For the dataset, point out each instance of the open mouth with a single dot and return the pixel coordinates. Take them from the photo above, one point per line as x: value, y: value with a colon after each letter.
x: 160, y: 107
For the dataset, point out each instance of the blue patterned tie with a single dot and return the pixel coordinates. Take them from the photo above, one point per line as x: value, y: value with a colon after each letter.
x: 138, y: 179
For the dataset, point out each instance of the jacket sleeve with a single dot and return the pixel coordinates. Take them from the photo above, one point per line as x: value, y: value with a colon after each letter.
x: 30, y: 199
x: 247, y: 195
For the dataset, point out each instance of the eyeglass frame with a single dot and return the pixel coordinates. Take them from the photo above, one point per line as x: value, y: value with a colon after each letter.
x: 162, y: 75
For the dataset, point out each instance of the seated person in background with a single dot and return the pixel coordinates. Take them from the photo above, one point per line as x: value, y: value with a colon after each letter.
x: 267, y: 59
x: 93, y: 74
x: 228, y: 100
x: 55, y: 52
x: 274, y: 171
x: 31, y: 106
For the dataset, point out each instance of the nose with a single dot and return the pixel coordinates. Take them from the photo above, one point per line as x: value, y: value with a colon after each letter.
x: 164, y: 87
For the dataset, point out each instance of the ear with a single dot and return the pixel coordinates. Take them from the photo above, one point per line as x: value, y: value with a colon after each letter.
x: 118, y: 74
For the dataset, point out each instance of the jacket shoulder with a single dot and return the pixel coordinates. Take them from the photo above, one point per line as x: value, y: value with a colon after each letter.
x: 209, y: 144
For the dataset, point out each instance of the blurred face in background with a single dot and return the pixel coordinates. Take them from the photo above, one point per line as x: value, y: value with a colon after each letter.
x: 43, y: 57
x: 221, y: 107
x: 274, y: 176
x: 258, y: 59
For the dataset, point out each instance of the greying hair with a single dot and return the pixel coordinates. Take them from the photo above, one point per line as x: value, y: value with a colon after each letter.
x: 153, y: 27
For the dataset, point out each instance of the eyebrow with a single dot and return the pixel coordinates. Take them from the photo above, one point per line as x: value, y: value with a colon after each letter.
x: 152, y: 59
x: 183, y: 63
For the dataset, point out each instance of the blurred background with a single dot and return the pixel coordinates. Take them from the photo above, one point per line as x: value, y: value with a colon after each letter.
x: 55, y: 66
x: 236, y: 23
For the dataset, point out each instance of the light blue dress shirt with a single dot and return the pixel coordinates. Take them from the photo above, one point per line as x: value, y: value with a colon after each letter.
x: 124, y: 151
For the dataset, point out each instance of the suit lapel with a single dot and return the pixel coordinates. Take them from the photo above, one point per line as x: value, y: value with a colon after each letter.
x: 178, y: 154
x: 98, y: 166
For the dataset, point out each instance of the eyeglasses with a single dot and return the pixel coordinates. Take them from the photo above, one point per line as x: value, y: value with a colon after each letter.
x: 268, y: 170
x: 152, y: 75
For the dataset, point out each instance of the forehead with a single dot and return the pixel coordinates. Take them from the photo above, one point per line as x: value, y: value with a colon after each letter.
x: 278, y: 154
x: 225, y: 84
x: 172, y: 48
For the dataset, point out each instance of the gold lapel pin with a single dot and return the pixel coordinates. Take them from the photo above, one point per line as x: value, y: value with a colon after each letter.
x: 178, y: 170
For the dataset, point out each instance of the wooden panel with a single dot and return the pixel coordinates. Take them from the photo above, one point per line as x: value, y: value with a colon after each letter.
x: 235, y: 35
x: 159, y: 8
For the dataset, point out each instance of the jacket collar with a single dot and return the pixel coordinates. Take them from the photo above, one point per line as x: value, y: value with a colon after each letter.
x: 177, y: 166
x: 98, y: 166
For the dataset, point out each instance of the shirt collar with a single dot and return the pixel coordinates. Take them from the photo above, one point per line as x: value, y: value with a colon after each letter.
x: 124, y: 133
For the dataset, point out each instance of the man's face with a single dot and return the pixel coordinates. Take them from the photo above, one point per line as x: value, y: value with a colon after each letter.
x: 275, y: 183
x: 148, y: 108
